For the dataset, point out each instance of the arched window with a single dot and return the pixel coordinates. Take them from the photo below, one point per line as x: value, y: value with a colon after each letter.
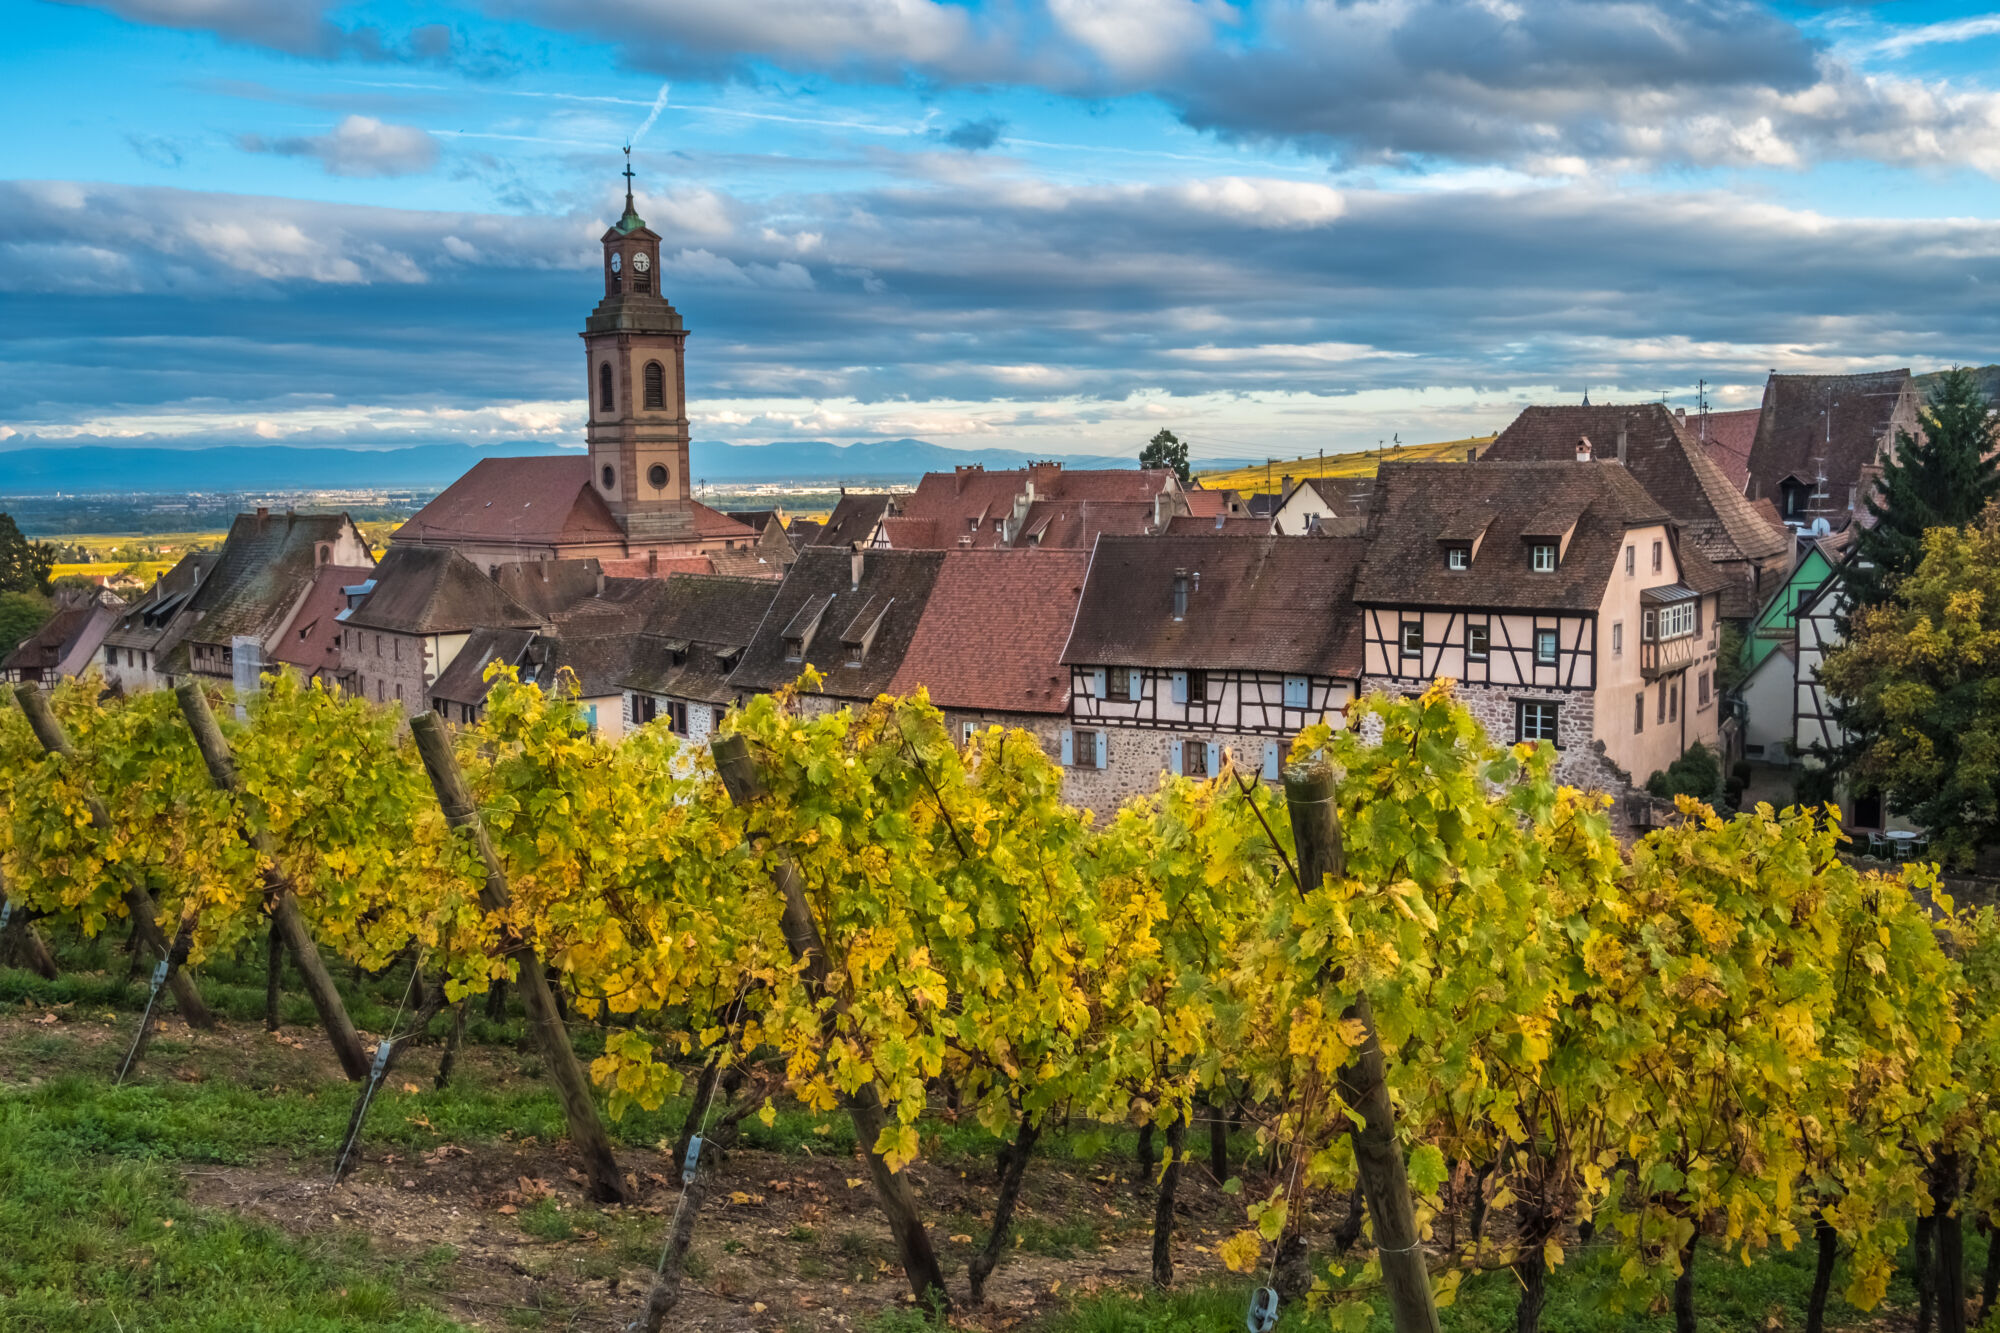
x: 610, y: 479
x: 656, y: 385
x: 604, y: 400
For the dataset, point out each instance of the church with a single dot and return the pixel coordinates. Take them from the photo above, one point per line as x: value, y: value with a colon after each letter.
x: 630, y: 498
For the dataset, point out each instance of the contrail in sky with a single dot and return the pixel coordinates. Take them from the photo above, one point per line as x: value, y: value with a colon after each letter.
x: 659, y: 105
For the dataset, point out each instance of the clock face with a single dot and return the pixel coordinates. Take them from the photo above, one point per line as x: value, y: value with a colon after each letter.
x: 640, y: 262
x: 617, y: 262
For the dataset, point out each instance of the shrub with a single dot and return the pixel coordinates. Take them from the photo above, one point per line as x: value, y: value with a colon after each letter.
x: 1697, y: 773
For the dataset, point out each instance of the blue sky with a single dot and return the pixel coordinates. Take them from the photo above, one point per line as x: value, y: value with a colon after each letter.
x: 1054, y: 224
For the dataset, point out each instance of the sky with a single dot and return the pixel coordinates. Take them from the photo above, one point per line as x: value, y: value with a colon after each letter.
x: 1057, y: 225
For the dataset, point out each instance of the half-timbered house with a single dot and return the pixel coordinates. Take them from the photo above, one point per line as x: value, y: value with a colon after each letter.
x: 1562, y: 599
x: 1185, y: 648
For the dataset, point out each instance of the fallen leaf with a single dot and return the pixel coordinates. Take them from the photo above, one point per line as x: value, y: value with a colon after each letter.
x: 409, y: 1087
x: 961, y: 1240
x: 509, y: 1209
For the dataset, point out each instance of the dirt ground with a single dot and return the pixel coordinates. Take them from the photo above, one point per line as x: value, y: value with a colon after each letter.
x: 500, y: 1234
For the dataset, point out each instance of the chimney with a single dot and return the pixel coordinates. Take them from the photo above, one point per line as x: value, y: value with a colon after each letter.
x: 1583, y: 449
x: 600, y: 583
x: 1681, y: 415
x: 854, y: 563
x: 1285, y: 484
x: 1621, y: 443
x: 1472, y: 455
x: 263, y: 513
x: 1160, y: 510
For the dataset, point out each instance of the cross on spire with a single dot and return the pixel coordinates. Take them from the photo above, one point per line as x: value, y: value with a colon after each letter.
x: 628, y: 178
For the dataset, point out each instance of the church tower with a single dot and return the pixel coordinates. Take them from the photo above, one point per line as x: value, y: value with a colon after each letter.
x: 635, y: 359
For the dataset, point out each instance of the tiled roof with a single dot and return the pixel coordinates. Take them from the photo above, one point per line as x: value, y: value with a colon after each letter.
x: 1844, y: 419
x: 1727, y: 436
x: 310, y: 642
x: 1069, y: 525
x: 146, y: 620
x: 1416, y: 503
x: 546, y: 501
x: 658, y: 567
x: 1218, y: 525
x: 1664, y: 456
x: 1204, y: 503
x: 464, y: 681
x: 705, y: 621
x: 1254, y: 603
x: 549, y: 586
x: 712, y: 524
x: 266, y: 565
x: 435, y: 590
x: 803, y: 531
x: 1345, y: 497
x: 854, y: 518
x: 899, y: 581
x: 43, y: 650
x: 1068, y: 510
x: 992, y: 633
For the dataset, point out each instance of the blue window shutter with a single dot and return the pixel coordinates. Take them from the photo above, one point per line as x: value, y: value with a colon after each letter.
x: 1068, y: 748
x: 1214, y: 758
x: 1174, y: 757
x: 1137, y: 684
x: 1297, y: 691
x: 1180, y: 687
x: 1097, y: 688
x: 1270, y: 761
x: 1103, y: 747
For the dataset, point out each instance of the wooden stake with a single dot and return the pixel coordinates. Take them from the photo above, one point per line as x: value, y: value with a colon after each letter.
x: 586, y: 1127
x: 286, y: 919
x: 745, y: 786
x: 1385, y: 1181
x: 138, y: 902
x: 20, y: 925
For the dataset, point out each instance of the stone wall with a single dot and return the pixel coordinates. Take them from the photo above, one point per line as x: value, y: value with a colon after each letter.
x: 1138, y: 759
x: 1580, y: 762
x: 389, y: 668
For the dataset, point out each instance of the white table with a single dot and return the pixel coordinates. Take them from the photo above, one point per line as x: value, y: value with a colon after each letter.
x: 1902, y: 843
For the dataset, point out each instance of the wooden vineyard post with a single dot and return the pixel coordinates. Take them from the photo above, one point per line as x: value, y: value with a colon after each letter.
x: 138, y: 902
x: 287, y: 922
x: 1385, y: 1181
x: 15, y: 922
x: 586, y: 1127
x: 899, y: 1204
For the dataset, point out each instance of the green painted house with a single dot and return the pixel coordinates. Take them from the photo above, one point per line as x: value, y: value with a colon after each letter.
x: 1778, y: 622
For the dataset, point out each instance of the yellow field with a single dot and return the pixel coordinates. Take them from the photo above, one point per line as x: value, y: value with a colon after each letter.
x: 144, y: 570
x: 1252, y: 480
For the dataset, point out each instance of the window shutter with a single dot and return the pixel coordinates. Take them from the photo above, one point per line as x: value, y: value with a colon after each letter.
x: 1068, y: 748
x: 1270, y: 761
x: 1297, y: 692
x: 1097, y: 686
x: 1136, y: 683
x: 1103, y: 747
x: 1180, y: 687
x: 1174, y: 757
x: 1214, y: 758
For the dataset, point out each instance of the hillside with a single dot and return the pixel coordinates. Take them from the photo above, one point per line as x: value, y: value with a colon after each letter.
x: 1266, y: 477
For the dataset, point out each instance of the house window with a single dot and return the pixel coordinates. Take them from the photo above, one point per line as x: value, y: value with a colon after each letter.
x: 1478, y: 643
x: 1674, y: 701
x: 795, y: 650
x: 1083, y: 749
x: 644, y: 709
x: 677, y: 717
x: 656, y: 385
x: 656, y: 475
x: 1703, y: 687
x: 1639, y: 713
x: 1197, y: 687
x: 1867, y: 811
x: 1629, y: 563
x: 1674, y: 622
x: 1413, y: 638
x: 1119, y: 685
x: 1646, y: 627
x: 1194, y: 759
x: 1545, y: 647
x: 1660, y: 710
x: 1542, y: 557
x: 604, y: 387
x: 1617, y: 638
x: 1298, y: 690
x: 1458, y: 557
x: 1534, y: 721
x: 1657, y: 550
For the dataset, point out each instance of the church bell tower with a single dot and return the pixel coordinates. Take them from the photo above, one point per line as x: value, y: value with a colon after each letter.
x: 635, y: 360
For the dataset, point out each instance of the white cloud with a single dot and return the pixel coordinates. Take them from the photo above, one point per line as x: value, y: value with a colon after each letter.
x: 358, y: 146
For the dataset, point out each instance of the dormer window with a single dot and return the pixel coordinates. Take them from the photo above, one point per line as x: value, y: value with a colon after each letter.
x: 1542, y: 557
x: 1180, y: 594
x: 795, y: 649
x: 1458, y: 557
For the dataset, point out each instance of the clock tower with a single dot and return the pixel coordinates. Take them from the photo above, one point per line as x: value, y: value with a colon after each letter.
x: 635, y: 360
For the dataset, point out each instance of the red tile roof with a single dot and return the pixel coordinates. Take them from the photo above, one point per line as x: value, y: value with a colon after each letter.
x: 992, y: 633
x: 545, y: 501
x: 1206, y: 504
x: 1728, y: 436
x: 646, y: 567
x: 308, y: 643
x: 1068, y: 511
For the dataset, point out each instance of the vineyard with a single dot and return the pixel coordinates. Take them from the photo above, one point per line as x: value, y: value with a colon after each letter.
x: 1408, y: 1040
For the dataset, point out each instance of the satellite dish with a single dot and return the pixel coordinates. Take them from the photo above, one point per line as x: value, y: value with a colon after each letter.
x: 1821, y: 528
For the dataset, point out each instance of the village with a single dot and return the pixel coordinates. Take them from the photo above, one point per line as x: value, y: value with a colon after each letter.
x: 1628, y: 582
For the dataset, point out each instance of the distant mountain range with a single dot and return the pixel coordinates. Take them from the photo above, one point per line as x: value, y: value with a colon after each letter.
x: 46, y: 469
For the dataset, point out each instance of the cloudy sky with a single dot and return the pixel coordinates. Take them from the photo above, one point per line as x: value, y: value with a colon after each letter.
x: 1057, y: 224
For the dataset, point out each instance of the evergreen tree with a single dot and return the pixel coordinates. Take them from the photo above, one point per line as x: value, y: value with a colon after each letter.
x: 1941, y: 478
x: 1168, y: 450
x: 24, y: 565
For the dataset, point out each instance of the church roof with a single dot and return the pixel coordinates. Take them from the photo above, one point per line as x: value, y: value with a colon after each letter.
x: 545, y: 501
